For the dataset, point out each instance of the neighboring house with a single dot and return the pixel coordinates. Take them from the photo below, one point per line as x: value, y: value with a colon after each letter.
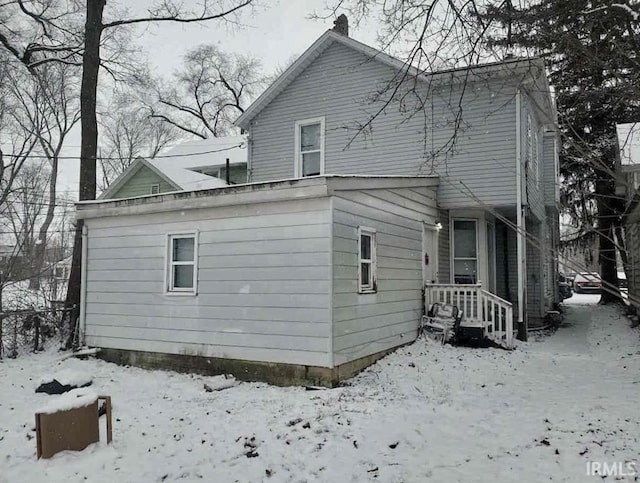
x: 628, y: 182
x: 316, y: 267
x: 190, y: 166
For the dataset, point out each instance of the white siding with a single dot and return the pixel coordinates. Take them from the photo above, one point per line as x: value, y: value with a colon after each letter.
x: 263, y: 283
x: 402, y: 140
x: 444, y: 248
x: 369, y: 323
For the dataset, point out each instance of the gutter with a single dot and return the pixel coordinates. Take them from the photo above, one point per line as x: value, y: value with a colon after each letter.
x: 520, y: 222
x: 83, y: 284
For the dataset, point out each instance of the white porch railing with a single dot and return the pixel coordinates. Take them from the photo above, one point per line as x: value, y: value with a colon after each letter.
x: 478, y: 305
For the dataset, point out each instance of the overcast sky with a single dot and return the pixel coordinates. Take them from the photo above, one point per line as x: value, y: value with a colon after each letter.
x: 273, y: 32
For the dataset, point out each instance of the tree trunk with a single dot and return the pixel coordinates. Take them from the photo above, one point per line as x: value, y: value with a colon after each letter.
x: 34, y: 282
x: 88, y: 147
x: 606, y: 232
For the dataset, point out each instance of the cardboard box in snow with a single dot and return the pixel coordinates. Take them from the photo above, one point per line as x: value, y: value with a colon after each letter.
x: 70, y: 422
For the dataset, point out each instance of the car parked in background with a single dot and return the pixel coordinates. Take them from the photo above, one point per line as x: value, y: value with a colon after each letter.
x: 587, y: 282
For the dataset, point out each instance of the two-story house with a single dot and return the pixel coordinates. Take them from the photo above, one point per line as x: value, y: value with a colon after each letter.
x: 372, y: 187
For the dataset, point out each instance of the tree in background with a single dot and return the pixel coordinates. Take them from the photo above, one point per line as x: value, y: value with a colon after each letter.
x: 129, y: 132
x: 591, y: 51
x: 52, y: 31
x: 50, y: 105
x: 208, y: 92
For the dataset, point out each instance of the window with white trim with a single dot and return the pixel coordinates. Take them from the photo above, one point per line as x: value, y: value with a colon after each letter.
x: 465, y: 251
x: 366, y: 260
x: 309, y: 155
x: 182, y: 267
x: 155, y: 189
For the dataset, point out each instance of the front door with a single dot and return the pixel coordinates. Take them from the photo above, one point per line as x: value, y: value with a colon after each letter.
x: 429, y: 254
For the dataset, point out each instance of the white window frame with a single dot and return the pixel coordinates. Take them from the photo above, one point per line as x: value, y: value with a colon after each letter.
x: 298, y: 154
x: 373, y: 286
x: 169, y: 264
x: 157, y: 189
x: 453, y: 247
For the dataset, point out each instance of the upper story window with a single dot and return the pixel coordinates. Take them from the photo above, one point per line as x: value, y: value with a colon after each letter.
x: 182, y: 264
x: 309, y: 155
x: 155, y: 189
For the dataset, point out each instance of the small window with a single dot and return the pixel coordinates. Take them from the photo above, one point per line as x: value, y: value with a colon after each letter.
x: 309, y: 138
x: 182, y: 276
x: 155, y: 189
x: 366, y: 260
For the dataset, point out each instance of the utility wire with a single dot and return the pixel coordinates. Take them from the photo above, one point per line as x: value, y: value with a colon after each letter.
x: 115, y: 158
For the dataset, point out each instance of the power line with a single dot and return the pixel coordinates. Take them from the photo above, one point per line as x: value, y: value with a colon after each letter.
x: 115, y: 158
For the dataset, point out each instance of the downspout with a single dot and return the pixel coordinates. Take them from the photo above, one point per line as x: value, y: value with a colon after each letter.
x: 520, y: 223
x: 249, y: 164
x: 83, y: 285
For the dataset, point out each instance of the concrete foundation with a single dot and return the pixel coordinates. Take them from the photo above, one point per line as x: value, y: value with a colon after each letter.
x: 274, y: 373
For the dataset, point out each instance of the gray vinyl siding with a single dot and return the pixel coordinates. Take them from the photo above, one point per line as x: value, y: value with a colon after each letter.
x: 535, y: 282
x: 444, y: 248
x: 369, y: 323
x: 533, y: 194
x: 263, y: 283
x: 140, y: 184
x: 338, y: 85
x: 550, y: 177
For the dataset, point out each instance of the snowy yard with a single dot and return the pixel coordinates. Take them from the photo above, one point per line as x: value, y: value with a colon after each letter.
x: 424, y: 413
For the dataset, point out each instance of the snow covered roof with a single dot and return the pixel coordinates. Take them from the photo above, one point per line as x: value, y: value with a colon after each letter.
x: 176, y: 165
x: 204, y: 153
x: 249, y: 193
x: 629, y: 144
x: 186, y: 179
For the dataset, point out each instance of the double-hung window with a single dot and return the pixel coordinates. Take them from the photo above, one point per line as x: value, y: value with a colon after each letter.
x: 366, y: 260
x: 182, y: 276
x: 309, y: 155
x: 465, y: 251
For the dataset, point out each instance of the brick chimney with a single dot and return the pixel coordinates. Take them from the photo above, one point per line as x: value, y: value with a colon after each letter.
x: 341, y: 25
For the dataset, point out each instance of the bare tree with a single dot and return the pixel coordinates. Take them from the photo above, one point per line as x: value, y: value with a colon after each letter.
x: 208, y: 92
x: 50, y: 105
x: 57, y: 36
x: 23, y: 206
x: 129, y: 132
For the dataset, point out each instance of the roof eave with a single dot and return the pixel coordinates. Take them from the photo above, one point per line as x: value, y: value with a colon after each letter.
x: 330, y: 36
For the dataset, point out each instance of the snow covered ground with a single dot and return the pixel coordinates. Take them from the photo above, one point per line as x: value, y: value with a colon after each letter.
x: 424, y: 413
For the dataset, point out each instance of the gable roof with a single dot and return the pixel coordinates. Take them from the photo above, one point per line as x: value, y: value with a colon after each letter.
x: 330, y: 37
x: 175, y: 166
x: 129, y: 173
